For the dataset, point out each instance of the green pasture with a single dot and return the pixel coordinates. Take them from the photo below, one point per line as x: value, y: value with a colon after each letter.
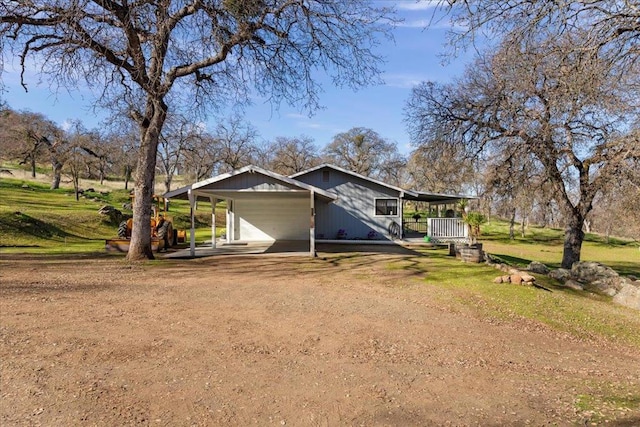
x: 35, y: 219
x: 545, y: 245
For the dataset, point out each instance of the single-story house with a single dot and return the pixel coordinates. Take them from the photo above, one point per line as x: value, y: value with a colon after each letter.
x: 324, y: 203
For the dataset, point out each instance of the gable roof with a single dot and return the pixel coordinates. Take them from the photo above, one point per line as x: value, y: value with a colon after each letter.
x: 402, y: 191
x: 183, y: 191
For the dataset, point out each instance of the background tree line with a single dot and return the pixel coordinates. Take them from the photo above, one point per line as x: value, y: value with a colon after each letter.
x: 186, y: 149
x: 511, y: 186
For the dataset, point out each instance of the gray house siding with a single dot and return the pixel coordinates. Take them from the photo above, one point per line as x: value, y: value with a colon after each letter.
x: 354, y: 211
x: 251, y: 181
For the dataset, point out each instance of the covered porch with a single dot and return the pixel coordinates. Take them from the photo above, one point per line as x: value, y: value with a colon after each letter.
x: 441, y: 223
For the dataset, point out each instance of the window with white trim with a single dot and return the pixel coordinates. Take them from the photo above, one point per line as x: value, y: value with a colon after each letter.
x: 386, y: 207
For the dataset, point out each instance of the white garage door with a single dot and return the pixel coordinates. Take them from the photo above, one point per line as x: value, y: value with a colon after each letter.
x: 272, y: 218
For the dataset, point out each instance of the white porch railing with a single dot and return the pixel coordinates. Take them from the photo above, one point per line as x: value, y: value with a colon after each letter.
x: 447, y: 230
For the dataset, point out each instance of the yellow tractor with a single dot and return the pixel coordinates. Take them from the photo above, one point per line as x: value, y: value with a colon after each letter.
x: 163, y: 235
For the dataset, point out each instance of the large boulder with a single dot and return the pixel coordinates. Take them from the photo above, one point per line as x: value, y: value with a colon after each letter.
x: 589, y: 271
x: 572, y: 284
x: 597, y: 277
x: 538, y: 267
x: 560, y: 274
x: 607, y: 286
x: 515, y: 279
x: 527, y: 278
x: 629, y: 294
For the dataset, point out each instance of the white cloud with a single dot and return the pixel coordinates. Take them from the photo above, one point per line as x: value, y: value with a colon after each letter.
x: 311, y: 125
x: 432, y: 24
x: 404, y: 81
x: 417, y: 5
x: 416, y: 23
x: 296, y: 116
x: 305, y: 122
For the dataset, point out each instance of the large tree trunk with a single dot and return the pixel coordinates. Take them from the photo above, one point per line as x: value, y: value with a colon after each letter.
x: 33, y: 166
x: 140, y: 244
x: 127, y: 176
x: 512, y: 223
x: 76, y: 184
x: 57, y: 173
x: 573, y: 238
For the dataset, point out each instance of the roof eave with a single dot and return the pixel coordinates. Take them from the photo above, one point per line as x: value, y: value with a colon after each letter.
x: 181, y: 192
x: 401, y: 191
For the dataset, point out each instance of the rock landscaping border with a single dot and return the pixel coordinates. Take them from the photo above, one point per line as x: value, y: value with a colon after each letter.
x: 586, y: 276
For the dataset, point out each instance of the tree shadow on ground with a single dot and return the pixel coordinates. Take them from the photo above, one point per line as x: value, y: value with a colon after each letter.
x: 518, y: 261
x: 365, y: 248
x: 31, y: 226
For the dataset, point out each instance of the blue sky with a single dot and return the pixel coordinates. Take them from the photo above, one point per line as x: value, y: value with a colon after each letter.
x: 414, y: 56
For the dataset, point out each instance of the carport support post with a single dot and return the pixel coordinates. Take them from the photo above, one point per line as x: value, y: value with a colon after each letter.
x: 192, y: 231
x: 230, y: 221
x: 214, y: 202
x: 312, y: 228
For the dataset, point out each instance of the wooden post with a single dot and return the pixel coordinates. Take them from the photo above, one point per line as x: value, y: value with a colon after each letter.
x: 312, y: 226
x: 214, y: 202
x: 228, y: 222
x: 401, y: 213
x: 231, y: 221
x: 192, y: 231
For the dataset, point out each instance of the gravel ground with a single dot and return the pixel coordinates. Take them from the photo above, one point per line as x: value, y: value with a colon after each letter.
x: 274, y: 340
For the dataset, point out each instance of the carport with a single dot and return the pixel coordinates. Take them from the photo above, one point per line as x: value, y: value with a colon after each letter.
x: 262, y: 206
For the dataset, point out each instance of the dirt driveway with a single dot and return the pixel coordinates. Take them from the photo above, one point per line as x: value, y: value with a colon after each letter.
x: 282, y: 341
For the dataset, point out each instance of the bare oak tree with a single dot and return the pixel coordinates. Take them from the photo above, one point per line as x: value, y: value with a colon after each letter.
x: 616, y: 213
x: 30, y: 137
x: 291, y: 155
x: 101, y: 153
x: 439, y: 167
x: 514, y: 183
x: 363, y: 151
x: 566, y: 107
x: 76, y: 154
x: 177, y: 136
x: 123, y: 140
x: 200, y: 157
x: 609, y: 28
x: 150, y: 56
x: 235, y: 144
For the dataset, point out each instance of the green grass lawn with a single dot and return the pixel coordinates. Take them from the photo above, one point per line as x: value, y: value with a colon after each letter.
x: 35, y: 219
x: 545, y: 245
x: 39, y: 220
x: 581, y: 314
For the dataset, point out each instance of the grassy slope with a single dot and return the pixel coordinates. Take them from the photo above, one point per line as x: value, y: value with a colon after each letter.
x: 545, y: 245
x: 581, y: 314
x: 53, y: 221
x: 39, y: 220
